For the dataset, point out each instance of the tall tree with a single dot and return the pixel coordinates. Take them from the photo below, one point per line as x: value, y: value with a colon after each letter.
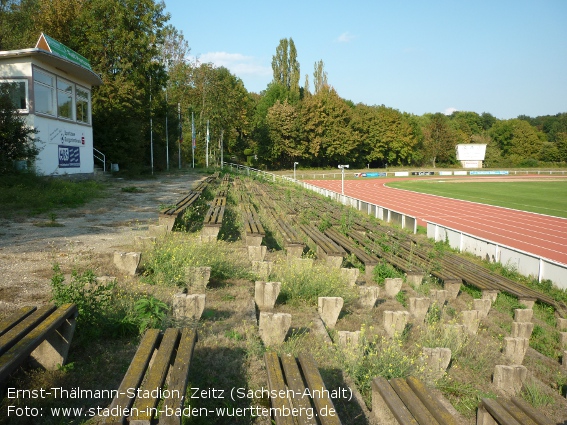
x: 319, y: 76
x: 122, y: 39
x: 326, y: 127
x: 283, y: 124
x: 439, y: 141
x: 517, y: 140
x: 286, y: 68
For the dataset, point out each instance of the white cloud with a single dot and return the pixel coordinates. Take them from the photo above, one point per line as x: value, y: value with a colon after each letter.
x: 450, y: 110
x: 346, y: 37
x: 239, y: 64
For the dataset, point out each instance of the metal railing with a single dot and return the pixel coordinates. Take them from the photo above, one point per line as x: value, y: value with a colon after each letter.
x: 101, y: 157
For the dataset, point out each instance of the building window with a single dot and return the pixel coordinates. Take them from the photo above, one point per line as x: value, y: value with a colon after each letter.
x: 82, y: 105
x: 44, y: 92
x: 17, y: 90
x: 64, y: 99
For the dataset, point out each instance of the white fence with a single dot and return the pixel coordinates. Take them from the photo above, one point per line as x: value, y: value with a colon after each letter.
x: 521, y: 261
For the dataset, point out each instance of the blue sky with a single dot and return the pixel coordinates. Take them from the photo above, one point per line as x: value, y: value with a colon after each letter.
x: 506, y: 57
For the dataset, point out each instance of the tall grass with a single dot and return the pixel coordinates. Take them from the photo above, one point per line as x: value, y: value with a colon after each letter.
x: 165, y: 264
x: 302, y: 284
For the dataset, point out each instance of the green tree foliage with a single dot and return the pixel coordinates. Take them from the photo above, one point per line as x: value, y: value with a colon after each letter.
x: 16, y: 138
x: 326, y: 126
x: 286, y: 69
x: 319, y: 76
x: 284, y: 131
x: 439, y: 141
x: 387, y: 134
x: 562, y: 146
x: 217, y: 96
x: 517, y: 140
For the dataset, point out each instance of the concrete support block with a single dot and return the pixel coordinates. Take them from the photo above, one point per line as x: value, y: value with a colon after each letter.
x: 527, y: 302
x: 157, y: 230
x: 414, y: 278
x: 563, y: 339
x: 266, y: 294
x: 490, y: 294
x: 392, y: 286
x: 329, y: 310
x: 294, y: 251
x: 253, y: 240
x: 522, y: 329
x: 350, y: 274
x: 333, y: 261
x: 380, y: 410
x: 509, y: 379
x: 418, y: 307
x: 561, y: 324
x: 523, y: 315
x: 144, y: 242
x: 564, y: 359
x: 452, y: 286
x: 273, y: 327
x: 395, y: 322
x: 52, y: 352
x: 127, y: 262
x: 257, y: 253
x: 436, y: 359
x: 471, y: 321
x: 262, y: 269
x: 348, y: 339
x: 167, y: 221
x: 483, y: 306
x: 368, y: 296
x: 515, y: 349
x: 209, y: 233
x: 188, y: 306
x: 197, y: 278
x: 438, y: 296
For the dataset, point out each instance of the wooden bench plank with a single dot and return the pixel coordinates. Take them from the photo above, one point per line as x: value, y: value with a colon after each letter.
x: 497, y: 412
x: 179, y: 376
x: 145, y: 406
x: 412, y: 402
x: 277, y: 388
x: 296, y: 384
x: 134, y: 374
x: 323, y: 403
x: 20, y: 352
x: 533, y: 414
x: 392, y: 401
x: 12, y: 320
x: 10, y: 338
x: 437, y: 409
x: 516, y: 412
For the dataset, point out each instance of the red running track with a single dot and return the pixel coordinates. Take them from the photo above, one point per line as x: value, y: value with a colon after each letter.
x: 541, y: 235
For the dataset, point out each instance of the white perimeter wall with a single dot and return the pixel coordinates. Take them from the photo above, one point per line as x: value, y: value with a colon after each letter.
x: 523, y: 262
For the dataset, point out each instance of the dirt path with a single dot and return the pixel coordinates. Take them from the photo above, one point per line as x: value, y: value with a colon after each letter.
x: 87, y: 236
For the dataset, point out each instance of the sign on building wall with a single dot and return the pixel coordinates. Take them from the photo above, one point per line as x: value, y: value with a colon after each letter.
x: 471, y: 152
x: 69, y: 157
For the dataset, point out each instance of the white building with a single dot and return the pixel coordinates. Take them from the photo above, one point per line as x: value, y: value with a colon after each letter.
x: 52, y: 84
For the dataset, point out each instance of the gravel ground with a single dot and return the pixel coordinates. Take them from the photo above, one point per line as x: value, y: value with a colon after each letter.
x: 85, y: 236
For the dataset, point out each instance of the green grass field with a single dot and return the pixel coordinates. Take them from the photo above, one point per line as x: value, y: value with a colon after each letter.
x: 543, y: 197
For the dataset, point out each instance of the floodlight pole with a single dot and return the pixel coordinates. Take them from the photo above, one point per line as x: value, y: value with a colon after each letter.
x: 294, y: 164
x: 342, y: 167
